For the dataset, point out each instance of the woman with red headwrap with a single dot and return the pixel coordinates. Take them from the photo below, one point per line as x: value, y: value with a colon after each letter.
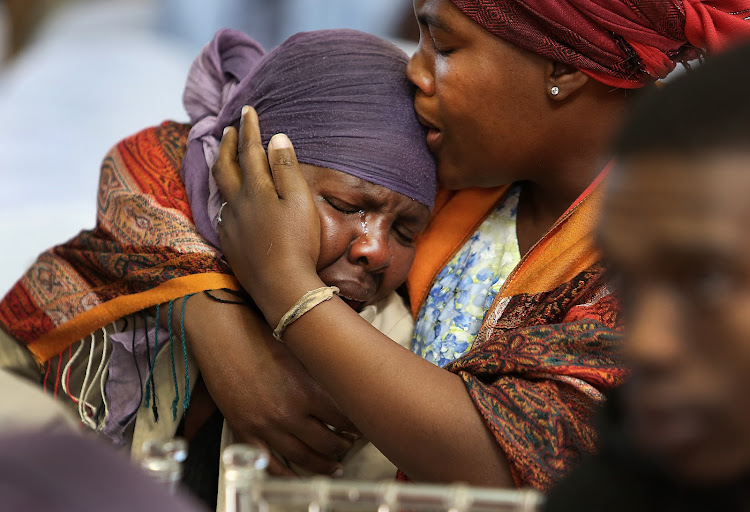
x: 509, y: 292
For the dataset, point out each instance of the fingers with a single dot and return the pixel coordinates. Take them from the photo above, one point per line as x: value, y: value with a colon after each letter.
x: 287, y: 447
x: 226, y: 171
x: 253, y: 169
x: 275, y: 466
x: 325, y: 441
x: 328, y: 413
x: 296, y: 452
x: 278, y: 468
x: 252, y: 157
x: 286, y: 172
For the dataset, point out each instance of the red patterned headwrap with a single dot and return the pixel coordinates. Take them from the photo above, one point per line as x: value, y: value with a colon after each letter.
x: 622, y: 43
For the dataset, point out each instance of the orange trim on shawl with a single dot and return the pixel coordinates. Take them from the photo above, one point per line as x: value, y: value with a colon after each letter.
x: 543, y: 269
x: 57, y: 340
x: 458, y: 215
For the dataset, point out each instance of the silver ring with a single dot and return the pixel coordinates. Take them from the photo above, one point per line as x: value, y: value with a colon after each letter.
x: 218, y: 215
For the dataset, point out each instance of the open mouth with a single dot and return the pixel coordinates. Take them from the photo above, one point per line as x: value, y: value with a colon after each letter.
x: 433, y: 139
x: 427, y: 123
x: 356, y: 305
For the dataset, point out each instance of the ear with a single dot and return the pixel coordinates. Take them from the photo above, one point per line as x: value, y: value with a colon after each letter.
x: 564, y: 79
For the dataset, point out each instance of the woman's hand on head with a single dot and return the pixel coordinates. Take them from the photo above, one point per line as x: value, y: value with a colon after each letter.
x: 270, y: 230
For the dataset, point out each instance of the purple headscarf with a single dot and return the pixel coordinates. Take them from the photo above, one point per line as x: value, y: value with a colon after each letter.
x: 341, y: 96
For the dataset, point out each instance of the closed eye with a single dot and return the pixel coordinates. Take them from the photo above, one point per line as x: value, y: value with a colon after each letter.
x: 404, y: 235
x: 342, y: 206
x: 441, y: 52
x: 438, y: 36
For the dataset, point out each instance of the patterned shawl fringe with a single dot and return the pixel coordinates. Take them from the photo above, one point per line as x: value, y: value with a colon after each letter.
x: 91, y: 397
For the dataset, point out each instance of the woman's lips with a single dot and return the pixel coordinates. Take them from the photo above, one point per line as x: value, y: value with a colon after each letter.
x: 434, y: 137
x: 355, y: 294
x: 434, y: 134
x: 356, y: 305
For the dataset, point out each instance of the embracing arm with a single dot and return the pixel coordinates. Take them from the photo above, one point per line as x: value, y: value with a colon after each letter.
x: 420, y: 416
x: 263, y: 391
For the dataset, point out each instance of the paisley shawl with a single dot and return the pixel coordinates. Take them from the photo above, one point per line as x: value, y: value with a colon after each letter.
x: 548, y: 348
x: 144, y: 251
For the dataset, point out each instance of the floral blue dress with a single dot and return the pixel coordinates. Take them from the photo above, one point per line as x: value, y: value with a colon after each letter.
x: 465, y: 289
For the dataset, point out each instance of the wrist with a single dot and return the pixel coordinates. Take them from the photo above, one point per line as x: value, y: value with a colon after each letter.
x: 201, y: 311
x: 307, y: 302
x: 282, y: 297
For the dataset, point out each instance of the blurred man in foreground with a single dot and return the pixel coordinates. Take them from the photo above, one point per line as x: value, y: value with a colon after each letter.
x: 676, y: 229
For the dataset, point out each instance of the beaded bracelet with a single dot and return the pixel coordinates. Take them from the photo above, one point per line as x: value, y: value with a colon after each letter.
x: 302, y: 306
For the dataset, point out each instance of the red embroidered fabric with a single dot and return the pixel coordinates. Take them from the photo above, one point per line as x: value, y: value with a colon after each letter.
x: 622, y: 43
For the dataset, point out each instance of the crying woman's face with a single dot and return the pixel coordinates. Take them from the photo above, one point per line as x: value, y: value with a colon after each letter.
x: 367, y: 234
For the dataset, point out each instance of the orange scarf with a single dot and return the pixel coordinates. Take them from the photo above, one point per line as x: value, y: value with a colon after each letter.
x: 567, y: 249
x: 548, y: 348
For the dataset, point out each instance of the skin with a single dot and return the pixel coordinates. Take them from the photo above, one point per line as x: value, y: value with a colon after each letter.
x: 677, y: 232
x: 266, y: 395
x: 367, y: 234
x: 366, y: 249
x: 493, y: 120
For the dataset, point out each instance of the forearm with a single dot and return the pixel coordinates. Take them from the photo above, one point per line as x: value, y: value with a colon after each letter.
x: 264, y: 392
x: 201, y: 312
x: 215, y: 332
x: 420, y: 416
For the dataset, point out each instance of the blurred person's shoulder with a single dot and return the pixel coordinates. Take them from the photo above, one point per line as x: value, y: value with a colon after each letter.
x: 62, y: 472
x: 26, y: 407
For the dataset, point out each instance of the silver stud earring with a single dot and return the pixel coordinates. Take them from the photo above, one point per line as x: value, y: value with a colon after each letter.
x: 554, y: 91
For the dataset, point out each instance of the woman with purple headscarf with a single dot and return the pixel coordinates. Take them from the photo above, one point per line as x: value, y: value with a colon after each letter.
x: 131, y: 376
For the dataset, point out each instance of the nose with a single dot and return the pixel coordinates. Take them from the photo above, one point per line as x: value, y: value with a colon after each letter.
x: 419, y: 73
x: 371, y: 248
x: 654, y: 341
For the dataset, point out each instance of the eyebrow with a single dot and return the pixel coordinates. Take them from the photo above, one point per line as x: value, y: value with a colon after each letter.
x: 433, y: 20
